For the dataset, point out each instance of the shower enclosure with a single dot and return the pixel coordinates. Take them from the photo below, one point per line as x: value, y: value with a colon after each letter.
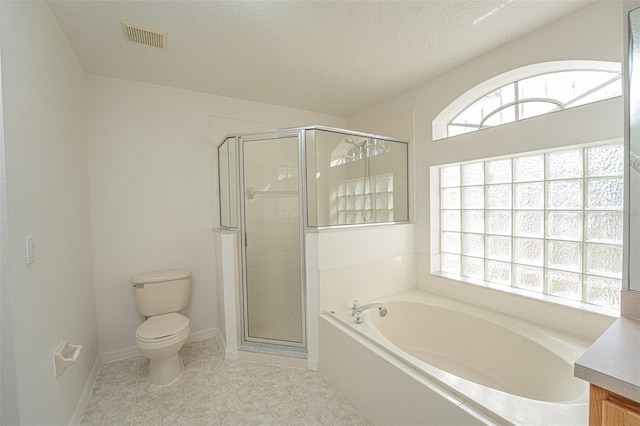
x: 277, y: 185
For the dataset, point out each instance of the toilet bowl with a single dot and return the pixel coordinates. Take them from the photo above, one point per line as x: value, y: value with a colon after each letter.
x: 159, y: 339
x: 159, y: 296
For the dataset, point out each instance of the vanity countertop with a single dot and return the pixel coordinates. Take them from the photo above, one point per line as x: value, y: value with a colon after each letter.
x: 613, y: 361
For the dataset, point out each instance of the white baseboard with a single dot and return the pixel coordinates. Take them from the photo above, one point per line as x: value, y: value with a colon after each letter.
x: 205, y: 334
x: 313, y: 364
x: 221, y: 342
x: 131, y: 351
x: 230, y: 354
x: 86, y: 393
x: 119, y: 354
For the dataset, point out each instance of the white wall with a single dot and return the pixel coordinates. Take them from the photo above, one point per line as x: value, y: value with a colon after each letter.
x: 9, y: 409
x: 151, y: 204
x: 43, y: 90
x: 592, y: 33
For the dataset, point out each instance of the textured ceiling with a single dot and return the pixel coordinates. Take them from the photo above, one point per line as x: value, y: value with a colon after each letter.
x: 335, y: 57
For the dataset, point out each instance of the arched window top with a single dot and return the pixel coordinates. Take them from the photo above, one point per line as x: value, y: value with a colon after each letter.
x: 527, y: 92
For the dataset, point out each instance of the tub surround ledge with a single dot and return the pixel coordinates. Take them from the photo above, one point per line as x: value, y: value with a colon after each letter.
x: 613, y: 361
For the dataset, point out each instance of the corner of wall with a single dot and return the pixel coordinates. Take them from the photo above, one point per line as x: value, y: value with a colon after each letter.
x: 81, y: 406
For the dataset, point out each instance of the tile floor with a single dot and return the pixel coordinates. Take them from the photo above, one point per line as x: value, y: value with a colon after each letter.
x: 212, y: 391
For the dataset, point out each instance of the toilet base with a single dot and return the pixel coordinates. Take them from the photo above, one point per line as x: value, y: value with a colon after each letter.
x: 165, y: 371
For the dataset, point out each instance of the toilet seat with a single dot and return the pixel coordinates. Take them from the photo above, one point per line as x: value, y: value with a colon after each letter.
x: 160, y: 328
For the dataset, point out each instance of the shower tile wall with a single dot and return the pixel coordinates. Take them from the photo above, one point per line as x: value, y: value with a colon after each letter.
x: 273, y: 265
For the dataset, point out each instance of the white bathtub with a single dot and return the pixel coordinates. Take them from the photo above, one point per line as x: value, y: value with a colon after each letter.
x: 493, y: 368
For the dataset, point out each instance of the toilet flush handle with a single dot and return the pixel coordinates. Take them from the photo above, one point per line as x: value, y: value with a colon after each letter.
x: 138, y: 286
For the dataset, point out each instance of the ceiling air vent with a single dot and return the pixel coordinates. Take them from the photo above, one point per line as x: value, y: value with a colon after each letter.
x: 144, y: 35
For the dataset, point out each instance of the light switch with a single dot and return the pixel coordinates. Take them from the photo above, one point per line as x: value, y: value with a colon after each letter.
x: 29, y: 250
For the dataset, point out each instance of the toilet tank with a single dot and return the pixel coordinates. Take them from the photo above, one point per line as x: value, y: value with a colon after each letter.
x: 162, y: 292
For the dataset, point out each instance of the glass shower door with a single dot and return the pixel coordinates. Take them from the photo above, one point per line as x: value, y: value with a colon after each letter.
x: 273, y: 308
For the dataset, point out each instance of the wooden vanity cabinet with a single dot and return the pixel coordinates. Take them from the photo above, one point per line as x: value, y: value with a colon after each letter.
x: 610, y: 409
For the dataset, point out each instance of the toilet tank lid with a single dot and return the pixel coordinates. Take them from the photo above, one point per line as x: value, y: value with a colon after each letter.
x: 154, y: 277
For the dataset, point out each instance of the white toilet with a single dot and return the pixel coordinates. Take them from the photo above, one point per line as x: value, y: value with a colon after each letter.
x: 159, y: 296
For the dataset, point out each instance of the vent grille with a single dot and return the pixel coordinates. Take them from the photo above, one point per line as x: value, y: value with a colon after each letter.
x: 144, y: 35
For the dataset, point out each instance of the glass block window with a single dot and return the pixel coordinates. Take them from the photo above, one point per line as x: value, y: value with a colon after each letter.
x: 547, y: 222
x: 361, y: 200
x: 537, y: 95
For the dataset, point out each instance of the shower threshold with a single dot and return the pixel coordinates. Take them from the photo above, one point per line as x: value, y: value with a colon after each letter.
x: 266, y: 348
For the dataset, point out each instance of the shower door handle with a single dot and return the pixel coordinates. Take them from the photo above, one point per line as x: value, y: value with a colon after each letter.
x: 246, y: 240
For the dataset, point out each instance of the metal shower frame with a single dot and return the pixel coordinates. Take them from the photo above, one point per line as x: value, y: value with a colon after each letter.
x: 300, y: 134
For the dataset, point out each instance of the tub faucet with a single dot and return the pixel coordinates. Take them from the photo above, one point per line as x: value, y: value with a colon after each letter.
x: 357, y: 310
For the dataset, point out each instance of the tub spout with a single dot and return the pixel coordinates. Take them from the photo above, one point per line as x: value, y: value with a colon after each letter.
x: 357, y: 310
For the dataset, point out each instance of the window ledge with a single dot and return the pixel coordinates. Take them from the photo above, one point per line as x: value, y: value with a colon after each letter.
x: 554, y: 300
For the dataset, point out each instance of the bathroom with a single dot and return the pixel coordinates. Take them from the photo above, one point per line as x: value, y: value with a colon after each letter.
x: 113, y: 177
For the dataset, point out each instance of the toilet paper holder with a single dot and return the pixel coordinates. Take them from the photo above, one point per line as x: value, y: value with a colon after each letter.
x: 65, y: 355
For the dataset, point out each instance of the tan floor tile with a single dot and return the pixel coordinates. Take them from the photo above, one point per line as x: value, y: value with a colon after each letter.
x: 202, y: 409
x: 268, y: 384
x: 276, y: 396
x: 92, y: 418
x: 355, y: 419
x: 125, y: 391
x: 174, y: 406
x: 256, y: 409
x: 147, y: 389
x: 197, y: 395
x: 175, y: 421
x: 285, y: 410
x: 204, y: 420
x: 240, y: 380
x: 214, y: 370
x: 200, y: 400
x: 231, y: 418
x: 226, y: 403
x: 147, y: 418
x: 214, y: 392
x: 221, y: 390
x: 296, y: 421
x: 102, y: 387
x: 196, y: 383
x: 262, y: 420
x: 109, y: 369
x: 118, y: 418
x: 98, y: 403
x: 248, y: 394
x: 149, y: 401
x: 324, y: 418
x: 175, y: 415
